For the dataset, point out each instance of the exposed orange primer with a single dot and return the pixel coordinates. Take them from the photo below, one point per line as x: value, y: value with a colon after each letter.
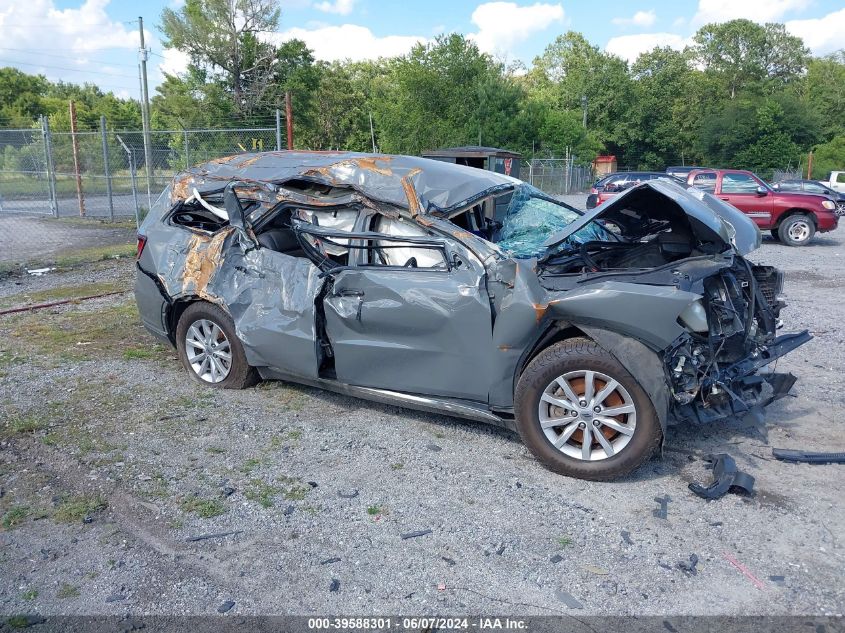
x: 204, y: 256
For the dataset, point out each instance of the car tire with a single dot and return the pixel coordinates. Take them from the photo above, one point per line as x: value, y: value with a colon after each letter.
x: 775, y: 235
x: 570, y: 360
x: 797, y: 230
x: 207, y: 345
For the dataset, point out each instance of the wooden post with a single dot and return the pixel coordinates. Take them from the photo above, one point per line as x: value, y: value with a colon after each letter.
x: 810, y: 166
x: 75, y: 143
x: 289, y: 118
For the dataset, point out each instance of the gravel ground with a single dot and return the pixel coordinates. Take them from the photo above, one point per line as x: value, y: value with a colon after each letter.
x: 112, y: 459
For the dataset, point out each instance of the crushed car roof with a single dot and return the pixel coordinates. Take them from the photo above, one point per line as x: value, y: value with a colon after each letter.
x: 439, y: 186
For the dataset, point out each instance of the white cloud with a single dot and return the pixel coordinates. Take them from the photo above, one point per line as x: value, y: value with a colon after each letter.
x: 502, y: 25
x: 757, y: 10
x: 349, y: 41
x: 629, y: 47
x: 822, y: 35
x: 175, y: 61
x: 640, y: 18
x: 69, y: 44
x: 341, y: 7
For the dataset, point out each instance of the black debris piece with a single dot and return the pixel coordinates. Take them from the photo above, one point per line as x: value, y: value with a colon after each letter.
x: 662, y: 511
x: 568, y: 599
x: 449, y: 561
x: 664, y: 566
x: 433, y: 447
x: 204, y: 537
x: 501, y: 550
x: 313, y: 484
x: 807, y: 457
x: 228, y: 491
x: 226, y: 606
x: 668, y: 626
x: 116, y: 597
x: 777, y: 579
x: 408, y: 535
x: 726, y: 478
x: 626, y: 537
x: 556, y: 558
x: 329, y: 561
x: 688, y: 567
x: 335, y: 586
x: 288, y: 511
x: 348, y: 494
x: 716, y: 524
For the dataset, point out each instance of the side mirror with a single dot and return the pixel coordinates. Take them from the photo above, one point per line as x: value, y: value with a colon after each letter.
x: 762, y: 191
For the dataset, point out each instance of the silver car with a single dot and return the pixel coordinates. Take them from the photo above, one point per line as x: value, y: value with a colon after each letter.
x: 463, y: 291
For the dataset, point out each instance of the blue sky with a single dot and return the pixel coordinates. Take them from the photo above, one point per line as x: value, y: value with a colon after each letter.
x: 96, y: 40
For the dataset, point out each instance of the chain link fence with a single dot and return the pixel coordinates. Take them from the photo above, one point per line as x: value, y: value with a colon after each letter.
x: 60, y: 190
x: 557, y: 176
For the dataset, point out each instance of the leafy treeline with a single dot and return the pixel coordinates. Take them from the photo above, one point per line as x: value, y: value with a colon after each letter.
x: 742, y: 95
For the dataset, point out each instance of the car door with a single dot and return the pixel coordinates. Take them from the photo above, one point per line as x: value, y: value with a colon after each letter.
x: 749, y: 195
x: 412, y: 315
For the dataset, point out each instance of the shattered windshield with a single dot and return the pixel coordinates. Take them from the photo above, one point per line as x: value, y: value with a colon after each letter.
x: 532, y: 218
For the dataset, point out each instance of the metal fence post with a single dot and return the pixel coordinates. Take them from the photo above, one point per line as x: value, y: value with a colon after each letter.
x: 106, y: 169
x: 51, y: 170
x: 187, y: 151
x: 278, y: 130
x: 131, y: 156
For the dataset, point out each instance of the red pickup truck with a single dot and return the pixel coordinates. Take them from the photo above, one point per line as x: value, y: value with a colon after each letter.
x: 793, y: 218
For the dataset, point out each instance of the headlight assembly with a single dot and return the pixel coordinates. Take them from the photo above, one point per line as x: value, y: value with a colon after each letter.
x: 829, y: 204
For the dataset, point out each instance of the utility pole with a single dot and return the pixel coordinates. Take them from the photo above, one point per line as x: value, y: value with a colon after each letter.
x: 584, y: 106
x: 278, y: 131
x: 145, y: 112
x: 75, y: 144
x: 809, y: 165
x: 372, y: 133
x: 289, y: 118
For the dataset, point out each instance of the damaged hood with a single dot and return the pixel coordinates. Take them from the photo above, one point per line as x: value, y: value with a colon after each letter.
x: 711, y: 219
x: 435, y: 186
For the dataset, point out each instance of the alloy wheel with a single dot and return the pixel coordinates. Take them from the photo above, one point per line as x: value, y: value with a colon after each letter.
x: 208, y: 350
x: 587, y: 415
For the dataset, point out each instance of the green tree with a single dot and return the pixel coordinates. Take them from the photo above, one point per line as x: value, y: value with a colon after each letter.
x: 825, y: 92
x: 744, y: 54
x: 829, y: 157
x: 571, y: 68
x: 222, y: 36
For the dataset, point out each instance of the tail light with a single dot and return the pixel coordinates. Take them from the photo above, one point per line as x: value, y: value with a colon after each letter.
x: 142, y: 242
x: 594, y: 190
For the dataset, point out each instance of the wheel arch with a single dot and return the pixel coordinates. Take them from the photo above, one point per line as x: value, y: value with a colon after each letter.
x: 177, y: 308
x: 796, y: 211
x: 639, y: 360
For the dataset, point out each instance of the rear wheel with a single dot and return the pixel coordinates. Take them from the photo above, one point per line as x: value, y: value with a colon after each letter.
x: 797, y: 230
x: 210, y: 350
x: 583, y: 415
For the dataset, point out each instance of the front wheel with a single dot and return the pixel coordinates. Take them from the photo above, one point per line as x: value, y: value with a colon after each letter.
x: 797, y: 230
x: 583, y: 415
x: 210, y: 350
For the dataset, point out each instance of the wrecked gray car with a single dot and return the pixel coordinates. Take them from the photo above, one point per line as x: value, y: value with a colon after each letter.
x: 457, y: 290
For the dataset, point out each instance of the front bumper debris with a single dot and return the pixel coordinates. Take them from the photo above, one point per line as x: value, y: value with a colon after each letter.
x: 742, y: 389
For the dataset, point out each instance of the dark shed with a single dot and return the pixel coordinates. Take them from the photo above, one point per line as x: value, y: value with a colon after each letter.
x: 490, y: 158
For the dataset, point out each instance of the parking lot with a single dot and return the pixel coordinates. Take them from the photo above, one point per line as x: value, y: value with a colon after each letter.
x: 126, y: 488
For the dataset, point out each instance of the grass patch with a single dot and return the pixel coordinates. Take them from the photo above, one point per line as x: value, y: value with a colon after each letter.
x: 75, y: 509
x: 23, y: 424
x: 75, y: 257
x: 564, y: 541
x: 373, y: 510
x: 261, y: 492
x: 59, y: 294
x: 83, y: 334
x: 296, y: 491
x: 67, y: 591
x: 141, y: 353
x: 215, y: 450
x: 29, y: 594
x: 203, y: 508
x: 397, y: 466
x: 14, y: 517
x: 8, y: 359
